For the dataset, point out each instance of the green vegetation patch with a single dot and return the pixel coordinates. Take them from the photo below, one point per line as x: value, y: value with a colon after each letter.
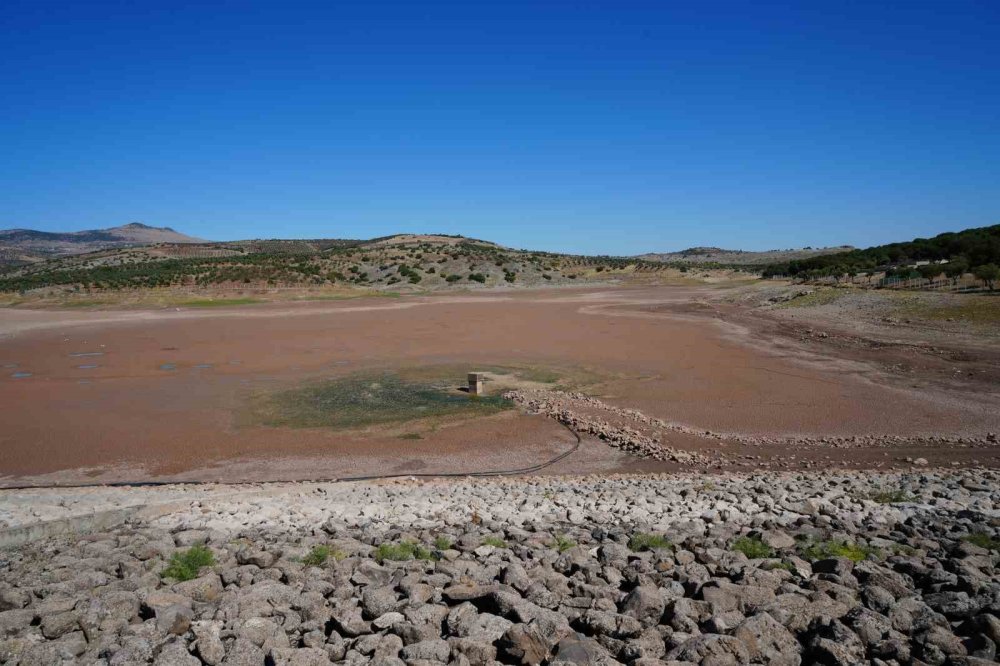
x: 821, y: 550
x: 442, y: 542
x: 319, y: 556
x: 971, y: 308
x: 186, y: 564
x: 889, y: 496
x: 643, y: 542
x: 401, y: 552
x: 564, y: 543
x: 983, y: 540
x: 368, y: 399
x: 494, y: 541
x: 753, y: 548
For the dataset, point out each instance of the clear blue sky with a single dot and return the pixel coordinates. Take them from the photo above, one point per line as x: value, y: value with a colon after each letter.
x: 598, y: 127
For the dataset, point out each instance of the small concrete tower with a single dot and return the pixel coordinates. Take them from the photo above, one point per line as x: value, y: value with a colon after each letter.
x: 476, y: 383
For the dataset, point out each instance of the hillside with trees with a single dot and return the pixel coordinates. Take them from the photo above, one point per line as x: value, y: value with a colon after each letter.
x: 973, y: 250
x: 429, y: 261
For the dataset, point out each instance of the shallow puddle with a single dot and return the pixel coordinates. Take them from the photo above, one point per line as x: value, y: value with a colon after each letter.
x: 78, y: 354
x: 168, y: 366
x: 89, y: 366
x: 202, y: 366
x: 21, y: 375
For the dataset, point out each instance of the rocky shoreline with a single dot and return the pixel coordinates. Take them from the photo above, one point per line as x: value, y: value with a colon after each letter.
x: 768, y: 568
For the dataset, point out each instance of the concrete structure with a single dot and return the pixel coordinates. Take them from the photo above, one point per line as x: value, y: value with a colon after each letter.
x: 476, y: 380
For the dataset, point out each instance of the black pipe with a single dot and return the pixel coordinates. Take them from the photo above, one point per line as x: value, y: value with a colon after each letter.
x: 346, y: 479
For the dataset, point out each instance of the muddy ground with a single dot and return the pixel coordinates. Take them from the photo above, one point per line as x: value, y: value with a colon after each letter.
x: 97, y: 396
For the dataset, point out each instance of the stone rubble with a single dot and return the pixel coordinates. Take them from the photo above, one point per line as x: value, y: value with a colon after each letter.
x: 589, y: 415
x: 532, y: 571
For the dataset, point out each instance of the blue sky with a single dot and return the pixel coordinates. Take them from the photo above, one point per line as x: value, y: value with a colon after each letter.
x: 597, y: 127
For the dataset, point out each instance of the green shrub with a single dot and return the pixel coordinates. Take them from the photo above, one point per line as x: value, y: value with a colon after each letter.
x: 893, y: 496
x: 823, y: 549
x: 186, y: 564
x: 983, y: 540
x: 478, y: 277
x: 642, y: 542
x: 494, y: 541
x: 564, y: 543
x: 318, y: 556
x: 753, y: 548
x: 442, y: 542
x: 401, y: 552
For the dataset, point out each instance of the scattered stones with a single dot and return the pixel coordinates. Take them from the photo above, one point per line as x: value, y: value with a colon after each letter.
x: 837, y: 578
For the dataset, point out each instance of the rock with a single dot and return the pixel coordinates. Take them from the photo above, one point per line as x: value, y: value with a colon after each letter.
x: 645, y: 604
x: 204, y: 589
x: 377, y: 601
x: 57, y: 624
x: 188, y: 538
x: 777, y: 539
x: 432, y: 650
x: 524, y: 644
x: 175, y: 654
x: 263, y: 632
x: 174, y: 619
x: 244, y: 653
x: 299, y: 657
x: 711, y: 650
x: 208, y: 644
x: 13, y: 622
x: 767, y: 642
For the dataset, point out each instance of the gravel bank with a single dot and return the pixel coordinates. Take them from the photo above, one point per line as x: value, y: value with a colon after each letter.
x: 683, y: 569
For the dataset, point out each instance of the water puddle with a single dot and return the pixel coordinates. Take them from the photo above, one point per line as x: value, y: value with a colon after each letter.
x: 79, y: 354
x: 168, y: 366
x: 203, y: 366
x: 89, y: 366
x: 21, y: 375
x: 10, y: 365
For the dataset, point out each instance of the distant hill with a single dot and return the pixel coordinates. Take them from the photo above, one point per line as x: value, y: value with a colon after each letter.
x: 400, y: 262
x: 716, y: 255
x: 21, y: 246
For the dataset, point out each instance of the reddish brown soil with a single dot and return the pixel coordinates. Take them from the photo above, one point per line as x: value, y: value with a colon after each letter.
x: 133, y: 420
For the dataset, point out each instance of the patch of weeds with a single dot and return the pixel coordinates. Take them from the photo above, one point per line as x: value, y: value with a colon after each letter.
x: 708, y: 486
x: 367, y: 399
x: 564, y: 543
x: 401, y: 552
x: 186, y: 564
x: 983, y: 540
x: 549, y: 495
x: 821, y: 550
x: 772, y: 566
x: 902, y: 549
x: 494, y: 541
x: 411, y: 435
x: 319, y: 555
x: 752, y: 547
x: 891, y: 496
x: 442, y: 542
x: 642, y: 542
